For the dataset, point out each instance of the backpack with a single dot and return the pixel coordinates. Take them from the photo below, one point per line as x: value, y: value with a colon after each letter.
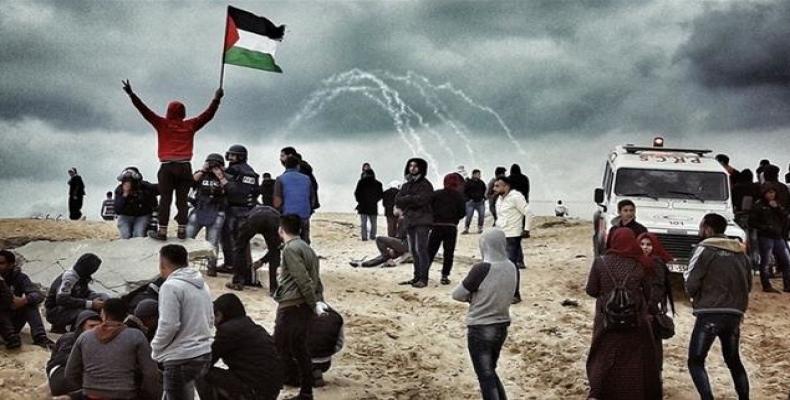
x: 621, y: 311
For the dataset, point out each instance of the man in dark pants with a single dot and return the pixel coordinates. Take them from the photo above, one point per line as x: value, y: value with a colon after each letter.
x: 76, y: 193
x: 24, y: 306
x: 448, y: 209
x: 209, y: 207
x: 175, y: 137
x: 267, y: 189
x: 475, y: 193
x: 388, y: 201
x: 414, y: 200
x: 491, y: 195
x: 7, y: 332
x: 242, y: 190
x: 70, y: 294
x: 297, y: 295
x: 254, y: 370
x: 263, y: 220
x: 390, y: 249
x: 294, y: 194
x: 718, y: 281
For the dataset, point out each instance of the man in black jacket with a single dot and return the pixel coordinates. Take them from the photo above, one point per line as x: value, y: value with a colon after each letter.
x: 368, y: 194
x: 264, y: 220
x: 76, y: 193
x: 7, y: 332
x: 254, y: 368
x: 448, y: 209
x: 414, y: 199
x: 520, y: 181
x: 626, y: 218
x: 475, y: 192
x: 388, y: 201
x: 135, y: 202
x: 26, y: 298
x: 267, y: 190
x: 70, y: 294
x: 769, y: 218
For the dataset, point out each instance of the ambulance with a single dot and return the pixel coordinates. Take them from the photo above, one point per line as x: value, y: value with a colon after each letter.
x: 672, y: 189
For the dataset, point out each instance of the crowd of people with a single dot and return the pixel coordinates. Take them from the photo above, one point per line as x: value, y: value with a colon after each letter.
x: 158, y: 342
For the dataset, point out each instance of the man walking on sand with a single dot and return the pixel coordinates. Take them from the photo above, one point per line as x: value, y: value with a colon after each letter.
x: 175, y: 137
x: 513, y: 218
x: 718, y: 281
x: 186, y: 315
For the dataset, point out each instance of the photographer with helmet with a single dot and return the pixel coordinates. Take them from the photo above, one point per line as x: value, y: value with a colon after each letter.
x: 135, y: 201
x: 242, y: 191
x: 210, y: 204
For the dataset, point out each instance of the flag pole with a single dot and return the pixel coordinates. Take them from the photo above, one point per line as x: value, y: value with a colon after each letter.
x: 224, y: 40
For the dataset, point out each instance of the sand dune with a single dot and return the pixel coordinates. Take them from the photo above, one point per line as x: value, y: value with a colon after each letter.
x: 404, y: 343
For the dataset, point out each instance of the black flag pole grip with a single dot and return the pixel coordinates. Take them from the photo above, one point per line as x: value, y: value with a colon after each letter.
x: 222, y: 59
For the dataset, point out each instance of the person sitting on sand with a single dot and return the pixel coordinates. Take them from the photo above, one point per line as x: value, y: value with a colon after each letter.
x: 7, y: 332
x: 69, y: 294
x: 26, y: 298
x: 392, y: 250
x: 326, y: 339
x: 254, y: 369
x: 56, y: 366
x: 107, y: 360
x: 144, y: 318
x: 488, y: 288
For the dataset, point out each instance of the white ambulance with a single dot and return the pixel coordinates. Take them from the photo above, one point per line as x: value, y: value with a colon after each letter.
x: 672, y: 189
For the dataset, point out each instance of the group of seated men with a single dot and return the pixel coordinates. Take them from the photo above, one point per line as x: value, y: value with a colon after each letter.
x: 105, y: 351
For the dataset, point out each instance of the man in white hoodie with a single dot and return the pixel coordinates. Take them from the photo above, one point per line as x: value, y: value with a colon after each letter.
x: 186, y: 315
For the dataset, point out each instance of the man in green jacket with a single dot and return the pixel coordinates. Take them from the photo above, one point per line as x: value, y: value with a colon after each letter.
x: 298, y: 292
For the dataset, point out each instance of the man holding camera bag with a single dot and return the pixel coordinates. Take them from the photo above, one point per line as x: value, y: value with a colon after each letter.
x: 135, y: 201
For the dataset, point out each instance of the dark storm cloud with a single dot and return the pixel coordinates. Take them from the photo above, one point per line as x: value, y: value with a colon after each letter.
x: 740, y: 56
x: 740, y: 46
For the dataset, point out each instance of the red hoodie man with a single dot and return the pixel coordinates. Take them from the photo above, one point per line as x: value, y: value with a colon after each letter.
x: 175, y: 136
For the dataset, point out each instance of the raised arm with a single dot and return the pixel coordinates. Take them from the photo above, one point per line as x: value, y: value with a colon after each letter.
x: 146, y: 112
x: 206, y: 116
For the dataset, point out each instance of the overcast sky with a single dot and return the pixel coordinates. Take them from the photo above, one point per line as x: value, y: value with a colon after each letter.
x: 569, y: 80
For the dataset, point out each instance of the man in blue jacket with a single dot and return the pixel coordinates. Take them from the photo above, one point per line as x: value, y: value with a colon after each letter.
x: 26, y: 298
x: 293, y: 194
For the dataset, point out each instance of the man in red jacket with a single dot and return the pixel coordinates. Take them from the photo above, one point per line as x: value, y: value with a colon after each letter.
x: 175, y: 142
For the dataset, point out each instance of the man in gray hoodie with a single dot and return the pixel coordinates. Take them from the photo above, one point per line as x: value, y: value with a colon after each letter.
x: 488, y: 288
x: 111, y: 361
x: 186, y: 315
x: 718, y: 282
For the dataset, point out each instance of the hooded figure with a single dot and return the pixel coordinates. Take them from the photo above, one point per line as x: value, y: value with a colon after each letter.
x: 519, y: 180
x: 448, y: 209
x: 368, y: 194
x: 488, y: 288
x: 69, y: 294
x: 414, y: 200
x: 175, y: 139
x: 254, y: 369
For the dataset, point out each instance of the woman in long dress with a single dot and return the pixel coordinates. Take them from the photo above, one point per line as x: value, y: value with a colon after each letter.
x: 622, y: 362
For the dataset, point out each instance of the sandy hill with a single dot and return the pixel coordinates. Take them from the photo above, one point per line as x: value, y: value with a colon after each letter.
x: 405, y: 343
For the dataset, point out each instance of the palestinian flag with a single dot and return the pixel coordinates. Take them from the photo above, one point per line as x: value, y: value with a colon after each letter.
x: 250, y: 40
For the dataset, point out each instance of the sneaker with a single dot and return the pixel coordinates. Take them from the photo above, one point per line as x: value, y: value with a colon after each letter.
x: 234, y: 286
x: 771, y: 290
x: 465, y: 232
x: 225, y: 269
x: 45, y: 343
x: 182, y: 232
x: 161, y: 234
x: 521, y: 266
x: 515, y: 300
x: 409, y: 282
x: 445, y: 280
x: 419, y: 284
x: 354, y: 264
x: 13, y: 343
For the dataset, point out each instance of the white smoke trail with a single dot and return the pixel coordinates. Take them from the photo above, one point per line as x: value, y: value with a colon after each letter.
x: 439, y: 110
